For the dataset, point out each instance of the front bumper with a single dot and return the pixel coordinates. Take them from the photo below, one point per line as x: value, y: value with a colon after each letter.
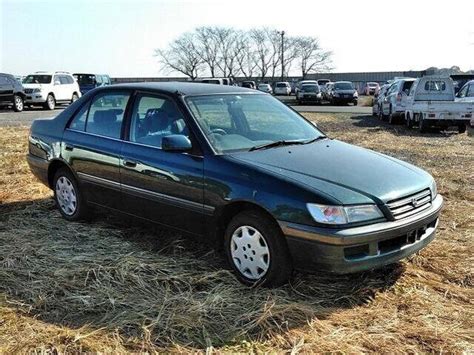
x: 35, y: 98
x: 345, y: 99
x: 361, y: 248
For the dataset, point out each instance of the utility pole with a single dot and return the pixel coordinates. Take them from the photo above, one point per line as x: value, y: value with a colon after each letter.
x: 282, y: 33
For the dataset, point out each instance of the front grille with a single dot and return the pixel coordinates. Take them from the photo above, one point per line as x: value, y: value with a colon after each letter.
x: 28, y: 91
x: 409, y: 205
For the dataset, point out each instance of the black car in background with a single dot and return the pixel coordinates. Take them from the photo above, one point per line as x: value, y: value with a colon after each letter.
x: 343, y: 92
x: 91, y: 81
x: 309, y: 93
x: 11, y: 92
x: 240, y: 169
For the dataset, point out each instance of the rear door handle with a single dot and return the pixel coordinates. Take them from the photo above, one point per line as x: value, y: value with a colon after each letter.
x: 129, y: 163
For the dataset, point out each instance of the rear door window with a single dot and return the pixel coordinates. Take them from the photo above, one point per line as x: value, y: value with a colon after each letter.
x: 103, y: 116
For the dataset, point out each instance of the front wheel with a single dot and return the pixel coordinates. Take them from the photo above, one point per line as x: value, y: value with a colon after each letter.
x: 462, y: 128
x: 256, y: 250
x: 18, y: 103
x: 68, y: 197
x: 50, y: 103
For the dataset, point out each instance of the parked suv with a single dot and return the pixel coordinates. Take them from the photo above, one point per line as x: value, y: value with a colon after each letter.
x: 394, y: 103
x: 11, y: 92
x: 50, y: 88
x: 91, y: 81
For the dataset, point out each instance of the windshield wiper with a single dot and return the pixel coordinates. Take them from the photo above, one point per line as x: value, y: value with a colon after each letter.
x: 275, y: 144
x: 314, y: 139
x: 283, y: 143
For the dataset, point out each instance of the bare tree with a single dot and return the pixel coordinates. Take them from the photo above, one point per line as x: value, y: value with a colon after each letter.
x: 182, y: 56
x: 312, y: 58
x: 245, y: 57
x: 208, y: 48
x: 263, y: 54
x: 227, y: 52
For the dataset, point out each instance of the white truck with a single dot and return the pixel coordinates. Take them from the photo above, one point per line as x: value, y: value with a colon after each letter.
x: 431, y: 103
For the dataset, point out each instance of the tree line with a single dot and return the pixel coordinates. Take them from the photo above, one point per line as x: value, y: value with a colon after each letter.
x: 228, y: 52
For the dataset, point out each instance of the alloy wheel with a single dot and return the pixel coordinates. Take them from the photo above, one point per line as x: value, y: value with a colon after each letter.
x: 18, y: 103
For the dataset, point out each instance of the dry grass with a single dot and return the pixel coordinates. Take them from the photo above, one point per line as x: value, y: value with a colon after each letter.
x: 115, y: 286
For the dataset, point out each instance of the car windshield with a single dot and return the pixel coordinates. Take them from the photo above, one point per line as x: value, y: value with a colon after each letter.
x: 85, y: 79
x: 241, y: 122
x: 37, y: 79
x: 343, y: 86
x: 310, y: 88
x: 372, y: 85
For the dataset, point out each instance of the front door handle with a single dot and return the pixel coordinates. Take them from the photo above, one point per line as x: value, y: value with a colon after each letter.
x: 69, y: 147
x: 129, y: 163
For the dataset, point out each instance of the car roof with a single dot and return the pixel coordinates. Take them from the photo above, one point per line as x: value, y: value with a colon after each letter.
x: 185, y: 88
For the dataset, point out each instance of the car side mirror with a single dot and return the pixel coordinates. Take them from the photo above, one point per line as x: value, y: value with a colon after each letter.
x: 176, y: 143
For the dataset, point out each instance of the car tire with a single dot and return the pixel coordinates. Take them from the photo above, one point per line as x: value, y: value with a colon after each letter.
x: 68, y: 197
x: 408, y: 121
x: 462, y: 128
x: 74, y: 98
x: 50, y: 103
x: 423, y: 125
x: 263, y: 259
x: 391, y: 116
x: 18, y: 103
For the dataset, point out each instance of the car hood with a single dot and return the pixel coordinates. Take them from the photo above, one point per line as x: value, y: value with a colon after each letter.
x: 349, y: 174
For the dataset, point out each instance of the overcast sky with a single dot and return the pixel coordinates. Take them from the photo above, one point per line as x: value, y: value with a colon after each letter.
x: 118, y: 37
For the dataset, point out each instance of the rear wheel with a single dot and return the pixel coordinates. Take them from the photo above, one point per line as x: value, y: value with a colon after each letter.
x: 68, y: 197
x: 74, y: 98
x: 409, y: 121
x: 18, y: 104
x: 391, y: 116
x: 462, y: 128
x: 256, y: 250
x: 423, y: 125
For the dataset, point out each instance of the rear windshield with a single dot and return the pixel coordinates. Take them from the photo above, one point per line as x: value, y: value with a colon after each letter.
x: 310, y: 88
x: 435, y: 85
x: 85, y: 79
x: 37, y: 79
x: 263, y: 86
x: 343, y: 86
x: 281, y: 85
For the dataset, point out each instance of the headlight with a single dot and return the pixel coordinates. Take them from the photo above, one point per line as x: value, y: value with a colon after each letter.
x: 434, y: 190
x: 343, y: 214
x: 37, y: 90
x: 318, y: 94
x: 356, y: 94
